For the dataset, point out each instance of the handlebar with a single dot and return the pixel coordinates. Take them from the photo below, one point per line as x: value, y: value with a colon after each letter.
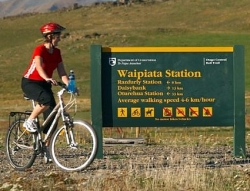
x: 64, y: 86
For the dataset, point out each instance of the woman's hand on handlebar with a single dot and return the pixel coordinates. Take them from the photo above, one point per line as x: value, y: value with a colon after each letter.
x: 51, y: 80
x: 65, y: 86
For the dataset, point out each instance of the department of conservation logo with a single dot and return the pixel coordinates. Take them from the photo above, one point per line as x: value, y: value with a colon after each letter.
x: 112, y: 61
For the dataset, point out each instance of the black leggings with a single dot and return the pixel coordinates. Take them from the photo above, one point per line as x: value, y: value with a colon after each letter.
x: 41, y: 92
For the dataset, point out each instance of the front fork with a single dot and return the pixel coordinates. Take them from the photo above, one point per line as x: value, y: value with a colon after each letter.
x: 69, y: 129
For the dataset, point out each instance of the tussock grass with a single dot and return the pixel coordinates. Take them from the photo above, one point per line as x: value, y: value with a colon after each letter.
x: 180, y: 178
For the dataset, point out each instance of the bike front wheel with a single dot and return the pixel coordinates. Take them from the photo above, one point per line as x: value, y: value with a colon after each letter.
x: 20, y: 146
x: 74, y: 148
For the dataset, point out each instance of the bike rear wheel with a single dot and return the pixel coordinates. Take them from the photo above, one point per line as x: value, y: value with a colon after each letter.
x: 77, y: 154
x: 20, y: 146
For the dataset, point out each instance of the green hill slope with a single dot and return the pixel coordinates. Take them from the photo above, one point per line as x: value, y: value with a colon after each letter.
x: 168, y: 23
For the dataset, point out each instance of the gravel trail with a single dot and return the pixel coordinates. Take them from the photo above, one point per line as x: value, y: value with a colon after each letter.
x: 119, y: 159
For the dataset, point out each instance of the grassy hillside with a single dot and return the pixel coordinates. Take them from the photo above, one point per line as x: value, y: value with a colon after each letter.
x: 168, y: 23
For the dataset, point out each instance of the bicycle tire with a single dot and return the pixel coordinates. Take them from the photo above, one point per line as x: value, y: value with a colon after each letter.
x: 19, y: 145
x: 74, y: 158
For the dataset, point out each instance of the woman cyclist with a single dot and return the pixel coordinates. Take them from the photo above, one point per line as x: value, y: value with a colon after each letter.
x: 38, y: 78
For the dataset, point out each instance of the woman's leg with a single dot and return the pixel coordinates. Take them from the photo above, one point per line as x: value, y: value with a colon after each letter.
x: 40, y: 92
x: 38, y: 110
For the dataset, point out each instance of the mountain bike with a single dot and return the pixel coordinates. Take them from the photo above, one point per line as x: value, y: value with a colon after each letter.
x: 72, y: 146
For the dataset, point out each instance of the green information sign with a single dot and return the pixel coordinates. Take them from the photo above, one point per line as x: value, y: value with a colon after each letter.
x: 167, y: 86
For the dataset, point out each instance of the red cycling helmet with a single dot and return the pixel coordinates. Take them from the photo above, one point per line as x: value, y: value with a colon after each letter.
x: 51, y: 28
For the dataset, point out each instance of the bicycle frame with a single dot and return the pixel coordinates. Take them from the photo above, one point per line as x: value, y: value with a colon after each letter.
x: 57, y: 112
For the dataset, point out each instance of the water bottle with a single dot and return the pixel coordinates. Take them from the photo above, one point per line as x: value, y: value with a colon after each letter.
x: 72, y: 82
